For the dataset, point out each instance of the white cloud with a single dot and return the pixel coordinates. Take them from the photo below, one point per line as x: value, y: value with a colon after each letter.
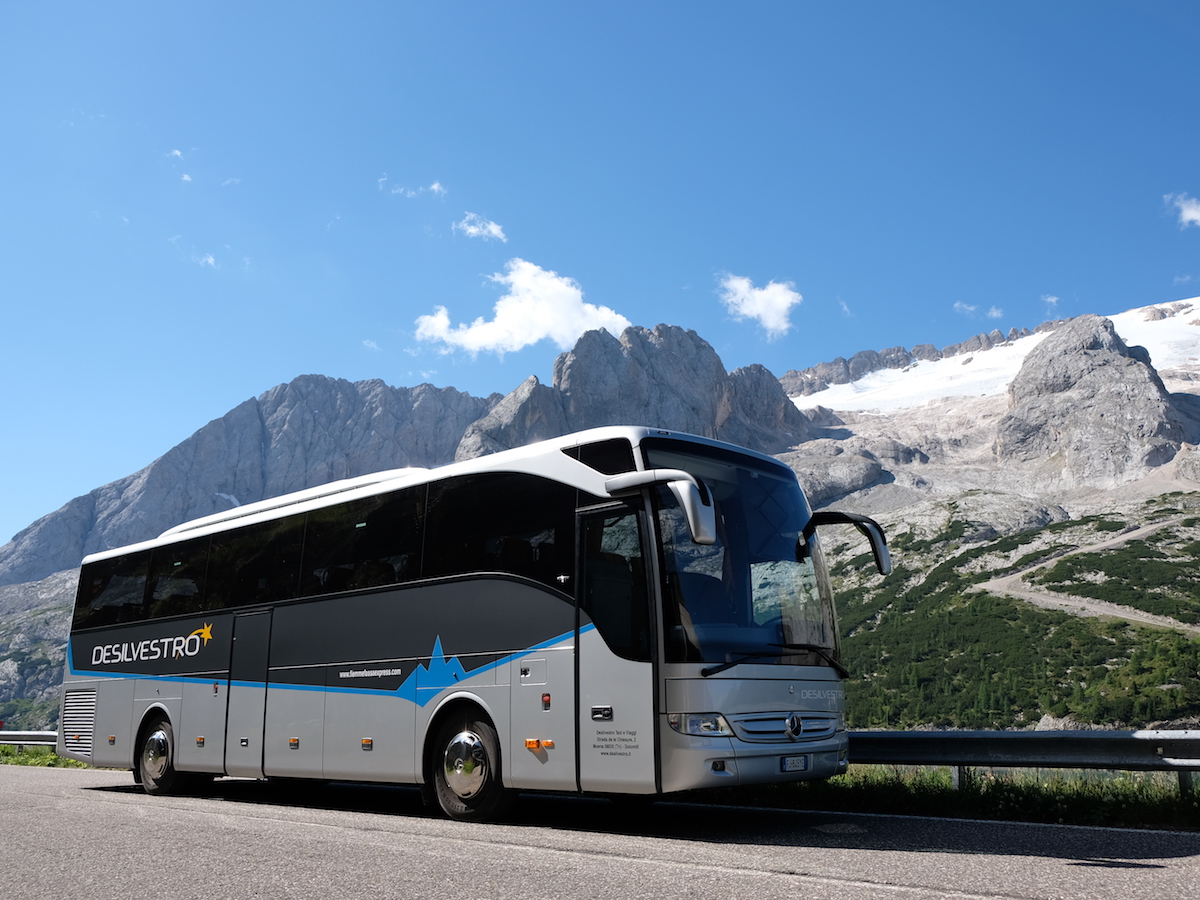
x: 475, y: 225
x: 964, y: 309
x: 207, y: 260
x: 186, y: 177
x: 370, y: 345
x: 845, y: 308
x: 1189, y: 208
x: 176, y: 154
x: 995, y: 313
x: 1051, y: 303
x: 229, y: 181
x: 770, y: 306
x: 539, y: 304
x: 435, y: 188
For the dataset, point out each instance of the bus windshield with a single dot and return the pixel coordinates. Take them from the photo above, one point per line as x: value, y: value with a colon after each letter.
x: 750, y: 595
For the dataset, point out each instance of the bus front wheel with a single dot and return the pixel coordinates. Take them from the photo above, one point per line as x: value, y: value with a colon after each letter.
x: 156, y: 758
x: 466, y: 770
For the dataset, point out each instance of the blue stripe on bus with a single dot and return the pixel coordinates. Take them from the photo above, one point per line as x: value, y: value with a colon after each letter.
x: 408, y: 689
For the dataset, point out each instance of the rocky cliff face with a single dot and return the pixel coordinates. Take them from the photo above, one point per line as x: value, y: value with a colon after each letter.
x: 1085, y: 413
x: 669, y: 378
x: 304, y: 433
x: 1089, y: 409
x: 315, y: 429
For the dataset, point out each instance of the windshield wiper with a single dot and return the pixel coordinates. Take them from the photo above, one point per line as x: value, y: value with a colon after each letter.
x: 821, y: 652
x: 713, y: 670
x: 759, y: 654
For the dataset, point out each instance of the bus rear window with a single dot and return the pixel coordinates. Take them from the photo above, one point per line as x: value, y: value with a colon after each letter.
x: 112, y: 591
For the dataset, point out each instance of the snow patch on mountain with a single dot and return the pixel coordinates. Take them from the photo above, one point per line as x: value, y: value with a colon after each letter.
x: 1170, y: 332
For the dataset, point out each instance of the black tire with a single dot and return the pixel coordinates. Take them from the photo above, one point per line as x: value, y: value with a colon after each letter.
x: 466, y: 770
x: 156, y: 758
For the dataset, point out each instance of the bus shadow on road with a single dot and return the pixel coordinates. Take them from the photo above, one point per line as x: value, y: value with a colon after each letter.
x: 814, y: 829
x: 737, y: 825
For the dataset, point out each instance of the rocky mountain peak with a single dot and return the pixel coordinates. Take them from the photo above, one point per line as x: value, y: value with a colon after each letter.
x: 1090, y: 407
x: 314, y: 429
x: 301, y: 434
x: 672, y: 378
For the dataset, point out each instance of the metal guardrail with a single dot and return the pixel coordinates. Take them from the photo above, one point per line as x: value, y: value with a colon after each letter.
x: 1139, y: 751
x: 29, y: 738
x: 1136, y: 751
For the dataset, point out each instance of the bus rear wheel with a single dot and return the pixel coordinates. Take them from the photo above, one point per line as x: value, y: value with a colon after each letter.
x: 466, y: 770
x: 156, y: 758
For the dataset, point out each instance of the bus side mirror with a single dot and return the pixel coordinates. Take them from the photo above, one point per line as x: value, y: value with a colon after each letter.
x: 869, y: 527
x: 697, y: 507
x: 691, y: 493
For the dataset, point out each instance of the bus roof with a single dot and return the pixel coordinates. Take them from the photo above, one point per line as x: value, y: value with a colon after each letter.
x: 541, y: 458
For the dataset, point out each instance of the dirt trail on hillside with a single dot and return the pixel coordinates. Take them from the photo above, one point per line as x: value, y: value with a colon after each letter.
x: 1013, y: 585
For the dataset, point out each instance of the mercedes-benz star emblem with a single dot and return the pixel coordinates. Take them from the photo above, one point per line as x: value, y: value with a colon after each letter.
x: 794, y: 726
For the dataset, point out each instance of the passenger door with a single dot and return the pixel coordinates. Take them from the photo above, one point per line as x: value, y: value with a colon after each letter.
x: 616, y: 715
x: 247, y: 695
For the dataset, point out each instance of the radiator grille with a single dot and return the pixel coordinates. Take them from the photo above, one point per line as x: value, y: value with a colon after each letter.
x: 772, y: 727
x: 78, y: 721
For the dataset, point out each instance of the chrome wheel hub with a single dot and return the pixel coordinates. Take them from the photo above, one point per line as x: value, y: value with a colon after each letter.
x: 155, y: 755
x: 466, y: 764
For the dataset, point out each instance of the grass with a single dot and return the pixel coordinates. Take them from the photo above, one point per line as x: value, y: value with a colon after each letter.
x: 11, y: 755
x: 1070, y: 797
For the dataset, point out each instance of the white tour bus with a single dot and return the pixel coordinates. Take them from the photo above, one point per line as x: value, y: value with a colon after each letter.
x: 619, y: 611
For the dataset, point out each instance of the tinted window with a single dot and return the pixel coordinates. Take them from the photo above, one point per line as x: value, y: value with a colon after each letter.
x: 176, y: 580
x: 498, y: 522
x: 112, y: 590
x: 609, y: 457
x: 255, y: 563
x: 365, y: 543
x: 614, y: 583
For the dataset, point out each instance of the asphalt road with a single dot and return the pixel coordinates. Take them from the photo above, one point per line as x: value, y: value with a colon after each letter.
x: 83, y: 833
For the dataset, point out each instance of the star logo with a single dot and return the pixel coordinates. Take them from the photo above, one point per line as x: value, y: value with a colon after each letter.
x: 205, y: 633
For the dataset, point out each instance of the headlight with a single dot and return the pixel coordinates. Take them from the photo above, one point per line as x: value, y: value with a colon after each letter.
x: 699, y: 724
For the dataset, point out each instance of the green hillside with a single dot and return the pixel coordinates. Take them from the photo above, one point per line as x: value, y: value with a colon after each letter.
x: 926, y: 648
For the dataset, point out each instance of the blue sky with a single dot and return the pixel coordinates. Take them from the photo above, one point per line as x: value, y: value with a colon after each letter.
x: 199, y: 201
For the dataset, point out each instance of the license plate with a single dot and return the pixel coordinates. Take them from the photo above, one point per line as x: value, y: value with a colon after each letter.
x: 793, y: 764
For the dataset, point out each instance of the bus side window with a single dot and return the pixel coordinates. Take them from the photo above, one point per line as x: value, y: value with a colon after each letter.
x: 176, y: 578
x: 501, y: 522
x: 112, y: 591
x: 365, y: 543
x: 255, y: 564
